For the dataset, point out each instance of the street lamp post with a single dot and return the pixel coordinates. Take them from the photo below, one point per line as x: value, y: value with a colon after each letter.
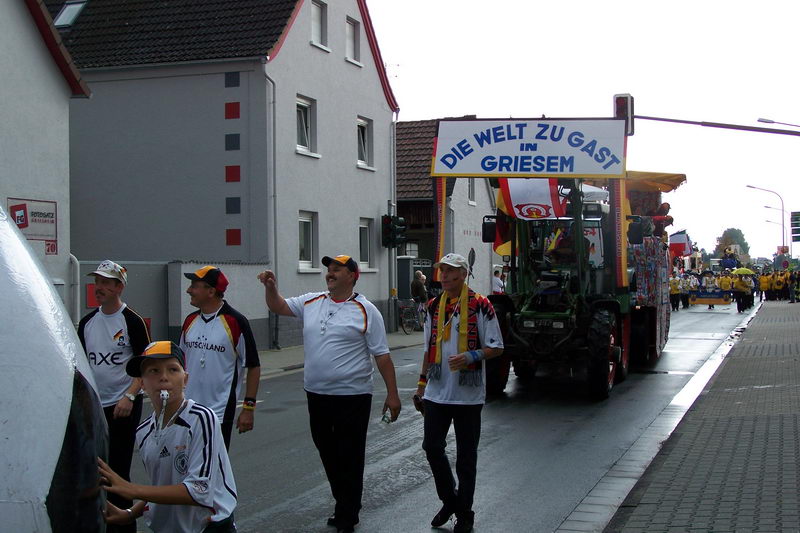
x: 779, y: 224
x: 783, y: 217
x: 773, y: 222
x: 770, y: 121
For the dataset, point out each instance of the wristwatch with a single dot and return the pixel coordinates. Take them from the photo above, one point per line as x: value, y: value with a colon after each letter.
x: 131, y: 397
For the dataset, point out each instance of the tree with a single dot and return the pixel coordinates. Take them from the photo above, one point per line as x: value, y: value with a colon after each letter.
x: 730, y: 237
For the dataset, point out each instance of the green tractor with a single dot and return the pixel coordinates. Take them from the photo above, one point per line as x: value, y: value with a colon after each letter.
x: 573, y: 304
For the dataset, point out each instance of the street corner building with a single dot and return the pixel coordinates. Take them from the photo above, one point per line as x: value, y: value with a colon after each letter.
x: 240, y: 132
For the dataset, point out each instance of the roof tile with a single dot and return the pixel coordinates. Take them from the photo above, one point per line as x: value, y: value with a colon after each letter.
x: 140, y: 32
x: 414, y: 152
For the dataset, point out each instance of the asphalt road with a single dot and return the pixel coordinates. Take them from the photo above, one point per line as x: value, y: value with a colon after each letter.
x: 543, y: 446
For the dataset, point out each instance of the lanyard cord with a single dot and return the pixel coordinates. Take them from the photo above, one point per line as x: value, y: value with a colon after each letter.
x: 324, y: 323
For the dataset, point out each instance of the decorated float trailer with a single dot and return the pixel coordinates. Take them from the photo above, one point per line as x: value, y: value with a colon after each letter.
x: 588, y: 276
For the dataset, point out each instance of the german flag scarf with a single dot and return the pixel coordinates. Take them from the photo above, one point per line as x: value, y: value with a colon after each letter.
x: 443, y: 312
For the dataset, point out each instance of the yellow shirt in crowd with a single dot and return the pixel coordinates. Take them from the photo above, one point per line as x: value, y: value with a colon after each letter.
x: 674, y: 286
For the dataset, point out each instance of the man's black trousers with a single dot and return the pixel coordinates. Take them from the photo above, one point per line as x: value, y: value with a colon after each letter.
x: 339, y: 429
x: 121, y: 438
x: 467, y: 422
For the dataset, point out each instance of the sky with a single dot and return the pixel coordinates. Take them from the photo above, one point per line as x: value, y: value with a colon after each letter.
x: 730, y: 62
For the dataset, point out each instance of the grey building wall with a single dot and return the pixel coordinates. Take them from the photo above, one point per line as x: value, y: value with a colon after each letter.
x: 34, y: 114
x: 148, y: 164
x: 150, y: 150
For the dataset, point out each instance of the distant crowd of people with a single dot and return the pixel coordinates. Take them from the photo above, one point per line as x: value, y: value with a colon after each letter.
x: 708, y: 287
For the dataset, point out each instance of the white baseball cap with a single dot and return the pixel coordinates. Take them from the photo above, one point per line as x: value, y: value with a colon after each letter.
x: 110, y: 269
x: 455, y: 260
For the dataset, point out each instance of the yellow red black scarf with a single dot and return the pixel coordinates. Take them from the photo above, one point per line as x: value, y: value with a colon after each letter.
x: 443, y: 312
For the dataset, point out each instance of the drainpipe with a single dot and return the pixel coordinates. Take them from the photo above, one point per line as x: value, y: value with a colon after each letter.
x: 392, y: 267
x: 75, y: 289
x: 273, y: 194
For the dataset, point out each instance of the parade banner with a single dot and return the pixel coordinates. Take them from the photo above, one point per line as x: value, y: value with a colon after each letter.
x: 37, y: 220
x: 579, y: 148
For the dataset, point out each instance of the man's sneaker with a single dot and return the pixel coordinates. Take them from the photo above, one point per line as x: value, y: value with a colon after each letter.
x: 442, y: 516
x: 464, y: 522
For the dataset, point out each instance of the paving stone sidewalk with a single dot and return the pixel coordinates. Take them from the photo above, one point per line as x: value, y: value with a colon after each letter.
x: 732, y: 462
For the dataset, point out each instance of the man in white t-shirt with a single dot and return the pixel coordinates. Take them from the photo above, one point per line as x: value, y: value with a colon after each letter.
x: 111, y: 335
x: 341, y: 330
x: 452, y: 385
x: 220, y: 349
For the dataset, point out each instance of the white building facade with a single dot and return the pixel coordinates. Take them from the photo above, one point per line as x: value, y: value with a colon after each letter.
x: 38, y: 84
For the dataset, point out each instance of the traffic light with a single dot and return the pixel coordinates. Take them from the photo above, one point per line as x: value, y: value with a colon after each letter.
x: 386, y: 231
x: 398, y: 231
x: 393, y: 231
x: 795, y: 223
x: 623, y: 108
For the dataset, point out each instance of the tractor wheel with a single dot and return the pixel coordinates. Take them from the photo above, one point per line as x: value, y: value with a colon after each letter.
x: 497, y: 369
x: 602, y: 354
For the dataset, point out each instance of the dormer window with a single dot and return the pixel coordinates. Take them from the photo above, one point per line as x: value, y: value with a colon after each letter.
x: 69, y: 12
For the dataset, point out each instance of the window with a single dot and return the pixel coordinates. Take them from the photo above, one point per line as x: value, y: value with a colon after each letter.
x: 411, y: 248
x: 231, y: 79
x: 307, y: 239
x: 353, y: 50
x: 365, y: 241
x: 319, y: 23
x: 471, y: 190
x: 306, y: 120
x: 69, y: 13
x: 364, y: 139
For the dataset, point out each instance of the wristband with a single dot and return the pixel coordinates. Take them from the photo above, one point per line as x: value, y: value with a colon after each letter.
x: 248, y: 399
x: 249, y: 407
x: 130, y: 514
x: 423, y: 380
x: 473, y: 356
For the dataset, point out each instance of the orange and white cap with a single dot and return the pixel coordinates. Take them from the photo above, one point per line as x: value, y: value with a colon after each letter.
x: 344, y: 260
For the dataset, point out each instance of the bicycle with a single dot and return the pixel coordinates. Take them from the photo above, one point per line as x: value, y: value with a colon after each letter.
x: 411, y: 316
